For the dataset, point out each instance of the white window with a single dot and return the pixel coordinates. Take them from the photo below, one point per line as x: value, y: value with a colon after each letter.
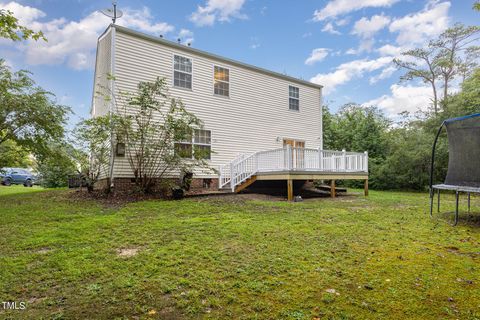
x: 199, y: 146
x: 293, y: 98
x: 182, y: 72
x: 221, y: 85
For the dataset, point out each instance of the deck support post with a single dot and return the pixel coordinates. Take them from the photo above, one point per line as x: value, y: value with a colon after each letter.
x: 332, y: 189
x: 290, y: 189
x: 365, y: 188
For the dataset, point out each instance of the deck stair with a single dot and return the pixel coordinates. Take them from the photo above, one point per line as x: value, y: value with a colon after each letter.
x: 246, y: 184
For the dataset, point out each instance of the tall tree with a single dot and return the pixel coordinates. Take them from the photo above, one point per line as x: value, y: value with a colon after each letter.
x: 11, y: 29
x: 455, y: 50
x: 28, y: 115
x: 421, y: 64
x: 442, y: 60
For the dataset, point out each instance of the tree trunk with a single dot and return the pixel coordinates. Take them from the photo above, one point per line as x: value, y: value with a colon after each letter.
x: 435, y: 98
x: 445, y: 92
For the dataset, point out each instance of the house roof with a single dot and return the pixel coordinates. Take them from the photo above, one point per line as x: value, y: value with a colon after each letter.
x: 212, y: 56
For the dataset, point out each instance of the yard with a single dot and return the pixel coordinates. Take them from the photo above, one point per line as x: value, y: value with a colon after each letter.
x: 237, y: 258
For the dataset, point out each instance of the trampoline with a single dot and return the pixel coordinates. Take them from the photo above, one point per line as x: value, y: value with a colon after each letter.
x: 463, y: 174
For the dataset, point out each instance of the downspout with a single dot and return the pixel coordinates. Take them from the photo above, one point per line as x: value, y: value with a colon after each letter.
x: 112, y: 102
x: 321, y: 120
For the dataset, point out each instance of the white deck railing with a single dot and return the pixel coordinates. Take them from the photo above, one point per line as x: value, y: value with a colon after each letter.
x: 290, y: 159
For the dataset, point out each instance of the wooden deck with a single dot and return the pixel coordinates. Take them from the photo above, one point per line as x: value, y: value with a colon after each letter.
x: 294, y: 164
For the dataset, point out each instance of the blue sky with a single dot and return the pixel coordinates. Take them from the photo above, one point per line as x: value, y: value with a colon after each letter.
x: 347, y: 46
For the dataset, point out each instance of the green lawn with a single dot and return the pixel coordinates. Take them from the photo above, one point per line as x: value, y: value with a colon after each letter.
x: 234, y: 258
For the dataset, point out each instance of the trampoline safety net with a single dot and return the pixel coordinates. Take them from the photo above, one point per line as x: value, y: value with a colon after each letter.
x: 463, y: 151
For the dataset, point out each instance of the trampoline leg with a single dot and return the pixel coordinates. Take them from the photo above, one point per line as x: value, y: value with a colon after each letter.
x: 438, y: 200
x: 456, y: 209
x: 469, y: 202
x: 431, y: 203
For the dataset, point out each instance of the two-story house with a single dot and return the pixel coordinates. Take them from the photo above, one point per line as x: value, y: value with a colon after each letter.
x: 259, y: 124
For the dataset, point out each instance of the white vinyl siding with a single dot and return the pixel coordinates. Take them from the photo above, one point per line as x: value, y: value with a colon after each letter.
x: 101, y: 82
x: 102, y: 86
x: 254, y: 118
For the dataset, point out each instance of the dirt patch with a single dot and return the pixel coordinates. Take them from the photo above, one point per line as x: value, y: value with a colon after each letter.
x: 117, y: 200
x: 43, y: 250
x: 36, y: 300
x: 127, y: 252
x: 110, y: 200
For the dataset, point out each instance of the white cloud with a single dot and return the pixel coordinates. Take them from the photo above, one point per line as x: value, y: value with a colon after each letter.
x: 342, y: 22
x: 366, y: 28
x: 351, y: 51
x: 330, y: 29
x: 143, y: 20
x: 74, y: 42
x: 335, y: 8
x: 349, y: 71
x: 386, y: 73
x: 417, y: 27
x: 403, y: 98
x: 24, y: 14
x: 186, y: 36
x: 390, y: 50
x: 317, y: 55
x: 217, y: 10
x: 365, y: 45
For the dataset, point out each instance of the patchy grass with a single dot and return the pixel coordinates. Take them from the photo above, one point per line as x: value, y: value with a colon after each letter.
x: 18, y: 189
x: 236, y: 258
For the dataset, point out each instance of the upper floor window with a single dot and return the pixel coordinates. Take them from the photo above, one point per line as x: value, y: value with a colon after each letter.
x: 221, y: 84
x: 182, y: 74
x: 293, y: 98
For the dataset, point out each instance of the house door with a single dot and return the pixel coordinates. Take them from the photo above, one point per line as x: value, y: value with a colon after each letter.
x: 298, y: 152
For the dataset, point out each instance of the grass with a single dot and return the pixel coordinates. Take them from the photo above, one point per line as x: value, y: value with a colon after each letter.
x: 233, y: 258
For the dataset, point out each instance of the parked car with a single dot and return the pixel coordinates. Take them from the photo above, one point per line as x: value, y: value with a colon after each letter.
x: 9, y: 176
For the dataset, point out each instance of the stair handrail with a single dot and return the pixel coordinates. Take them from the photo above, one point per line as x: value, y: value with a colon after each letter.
x: 239, y: 169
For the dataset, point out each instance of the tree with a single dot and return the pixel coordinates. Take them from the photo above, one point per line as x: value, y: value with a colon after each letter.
x: 11, y: 29
x: 55, y: 169
x: 442, y: 60
x: 424, y: 67
x: 451, y: 45
x: 476, y: 6
x: 93, y: 138
x: 152, y: 133
x: 467, y: 101
x: 28, y: 115
x: 358, y: 128
x: 12, y: 155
